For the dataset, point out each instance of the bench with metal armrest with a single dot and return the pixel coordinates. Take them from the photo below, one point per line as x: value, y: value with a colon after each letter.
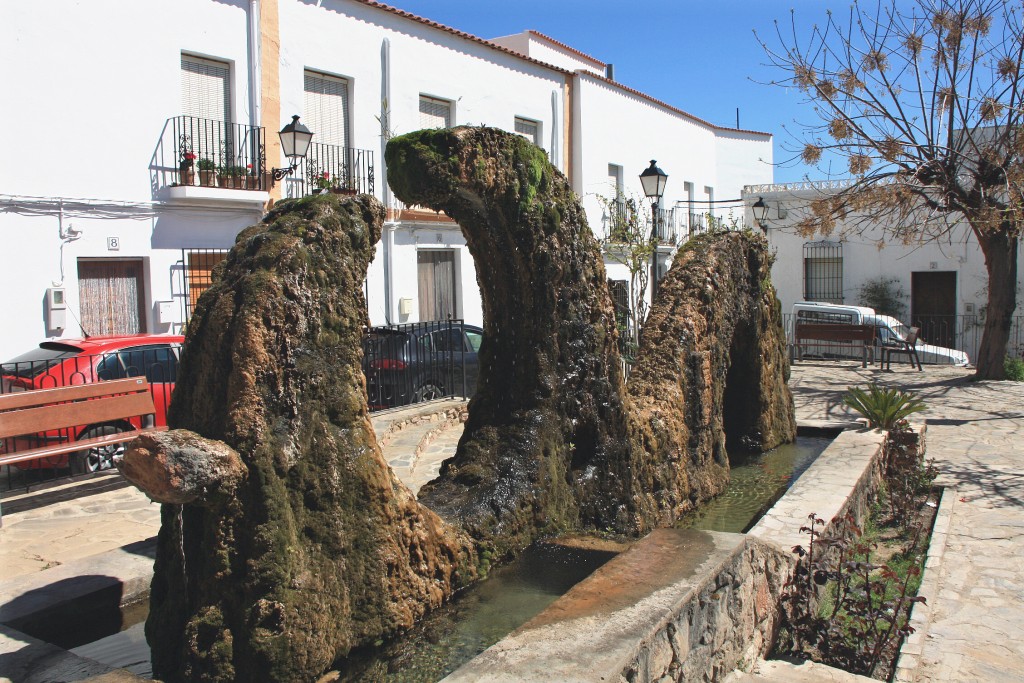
x: 839, y: 333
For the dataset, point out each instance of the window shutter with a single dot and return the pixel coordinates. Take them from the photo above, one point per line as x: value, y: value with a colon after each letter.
x: 435, y: 113
x: 205, y: 88
x: 528, y: 129
x: 327, y: 108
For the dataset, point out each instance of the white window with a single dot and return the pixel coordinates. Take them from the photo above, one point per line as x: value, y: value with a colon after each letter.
x: 205, y: 88
x: 435, y: 113
x: 528, y: 129
x: 615, y: 179
x: 327, y: 108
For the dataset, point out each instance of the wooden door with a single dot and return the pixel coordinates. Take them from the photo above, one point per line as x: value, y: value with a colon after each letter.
x: 933, y: 306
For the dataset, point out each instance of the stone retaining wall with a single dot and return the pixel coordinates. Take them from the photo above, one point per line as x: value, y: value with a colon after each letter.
x: 649, y: 615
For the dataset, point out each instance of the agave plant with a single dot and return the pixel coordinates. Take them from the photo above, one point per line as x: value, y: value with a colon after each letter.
x: 883, y: 407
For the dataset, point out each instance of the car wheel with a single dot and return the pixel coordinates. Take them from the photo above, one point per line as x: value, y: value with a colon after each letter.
x: 99, y: 458
x: 428, y: 392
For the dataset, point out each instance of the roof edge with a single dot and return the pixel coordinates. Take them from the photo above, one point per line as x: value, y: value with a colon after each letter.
x: 461, y: 34
x: 570, y: 48
x: 668, y: 106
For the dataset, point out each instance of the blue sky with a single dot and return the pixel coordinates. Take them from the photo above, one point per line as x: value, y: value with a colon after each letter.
x: 701, y: 57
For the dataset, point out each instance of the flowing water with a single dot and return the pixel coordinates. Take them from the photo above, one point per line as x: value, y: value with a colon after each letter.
x: 756, y: 482
x: 516, y: 592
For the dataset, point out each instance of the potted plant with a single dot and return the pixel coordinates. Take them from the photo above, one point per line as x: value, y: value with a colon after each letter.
x: 207, y: 172
x: 231, y: 176
x: 252, y: 178
x: 323, y: 181
x: 186, y: 176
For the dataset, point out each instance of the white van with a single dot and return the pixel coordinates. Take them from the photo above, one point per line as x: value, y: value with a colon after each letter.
x: 888, y: 331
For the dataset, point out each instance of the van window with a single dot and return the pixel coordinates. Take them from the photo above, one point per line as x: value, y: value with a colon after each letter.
x: 839, y: 317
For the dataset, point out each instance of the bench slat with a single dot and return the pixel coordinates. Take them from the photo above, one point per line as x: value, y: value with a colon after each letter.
x: 77, y: 392
x: 61, y: 415
x: 73, y: 446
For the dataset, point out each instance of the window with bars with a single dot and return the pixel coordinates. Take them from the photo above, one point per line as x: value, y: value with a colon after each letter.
x: 327, y: 108
x: 435, y: 113
x: 528, y: 129
x: 198, y: 274
x: 823, y: 272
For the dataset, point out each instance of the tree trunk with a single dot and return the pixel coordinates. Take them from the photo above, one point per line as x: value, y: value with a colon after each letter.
x: 1000, y: 251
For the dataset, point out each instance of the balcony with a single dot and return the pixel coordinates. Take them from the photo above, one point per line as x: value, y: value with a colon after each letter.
x: 624, y: 222
x: 206, y: 160
x: 343, y: 170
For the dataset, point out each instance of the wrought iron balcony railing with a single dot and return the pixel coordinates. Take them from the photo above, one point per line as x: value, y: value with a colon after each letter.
x: 334, y: 168
x: 210, y: 153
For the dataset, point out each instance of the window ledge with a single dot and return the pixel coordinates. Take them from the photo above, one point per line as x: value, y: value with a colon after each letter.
x: 197, y: 194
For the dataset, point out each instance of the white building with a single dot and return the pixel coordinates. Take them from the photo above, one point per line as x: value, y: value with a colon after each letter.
x: 111, y: 96
x: 942, y: 285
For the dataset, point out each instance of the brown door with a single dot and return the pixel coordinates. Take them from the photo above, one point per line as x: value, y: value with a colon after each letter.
x: 933, y: 306
x: 112, y: 296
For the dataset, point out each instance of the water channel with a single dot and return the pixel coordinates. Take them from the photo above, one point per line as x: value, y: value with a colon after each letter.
x: 514, y: 593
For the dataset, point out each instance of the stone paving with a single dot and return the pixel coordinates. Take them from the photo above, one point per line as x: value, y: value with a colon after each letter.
x: 974, y: 630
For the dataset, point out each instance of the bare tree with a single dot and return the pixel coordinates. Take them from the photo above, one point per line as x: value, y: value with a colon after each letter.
x: 629, y: 242
x: 923, y: 100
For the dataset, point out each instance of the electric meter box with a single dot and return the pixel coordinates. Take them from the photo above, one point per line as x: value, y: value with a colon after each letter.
x: 56, y: 308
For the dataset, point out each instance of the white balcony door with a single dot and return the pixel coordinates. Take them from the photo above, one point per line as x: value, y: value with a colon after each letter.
x: 326, y: 110
x: 206, y: 96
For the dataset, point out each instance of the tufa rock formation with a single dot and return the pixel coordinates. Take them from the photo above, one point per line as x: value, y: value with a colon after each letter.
x: 286, y: 541
x: 554, y: 441
x: 712, y: 367
x: 304, y: 545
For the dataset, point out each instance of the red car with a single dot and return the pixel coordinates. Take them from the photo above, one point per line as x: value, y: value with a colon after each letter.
x: 65, y: 362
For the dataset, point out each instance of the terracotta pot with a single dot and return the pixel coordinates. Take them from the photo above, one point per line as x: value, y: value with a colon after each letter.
x: 186, y: 177
x: 208, y: 178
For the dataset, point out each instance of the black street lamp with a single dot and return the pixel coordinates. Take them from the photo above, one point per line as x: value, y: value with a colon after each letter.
x: 653, y: 180
x: 295, y: 139
x: 761, y: 213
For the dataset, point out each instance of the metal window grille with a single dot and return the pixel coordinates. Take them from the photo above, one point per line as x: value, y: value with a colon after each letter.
x: 620, y: 299
x: 198, y: 274
x: 823, y: 272
x: 528, y: 129
x: 435, y: 113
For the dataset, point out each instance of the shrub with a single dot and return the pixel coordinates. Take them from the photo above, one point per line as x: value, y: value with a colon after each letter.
x: 1014, y: 369
x: 885, y: 295
x: 883, y: 407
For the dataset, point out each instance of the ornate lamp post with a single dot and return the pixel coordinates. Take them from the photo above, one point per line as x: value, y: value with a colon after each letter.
x: 653, y: 180
x: 295, y: 139
x: 761, y: 213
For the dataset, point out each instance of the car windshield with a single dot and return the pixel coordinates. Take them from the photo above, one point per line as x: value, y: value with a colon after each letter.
x: 33, y: 363
x: 900, y: 329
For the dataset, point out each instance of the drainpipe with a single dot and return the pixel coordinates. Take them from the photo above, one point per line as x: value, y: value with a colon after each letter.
x: 255, y: 113
x: 388, y: 237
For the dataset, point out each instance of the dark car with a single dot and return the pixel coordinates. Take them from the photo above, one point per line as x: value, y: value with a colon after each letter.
x: 66, y: 362
x: 421, y: 361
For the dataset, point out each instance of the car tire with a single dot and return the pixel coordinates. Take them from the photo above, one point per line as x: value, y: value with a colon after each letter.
x: 90, y: 460
x: 428, y: 392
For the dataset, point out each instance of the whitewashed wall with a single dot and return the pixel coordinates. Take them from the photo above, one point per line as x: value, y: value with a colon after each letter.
x: 867, y: 255
x: 88, y: 88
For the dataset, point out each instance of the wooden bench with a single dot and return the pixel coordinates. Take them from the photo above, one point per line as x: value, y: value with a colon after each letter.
x: 907, y: 346
x: 837, y: 332
x: 31, y: 414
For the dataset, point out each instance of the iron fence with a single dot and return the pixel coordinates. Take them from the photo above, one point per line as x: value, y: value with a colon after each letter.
x: 416, y: 362
x: 334, y: 168
x: 210, y: 153
x: 61, y: 366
